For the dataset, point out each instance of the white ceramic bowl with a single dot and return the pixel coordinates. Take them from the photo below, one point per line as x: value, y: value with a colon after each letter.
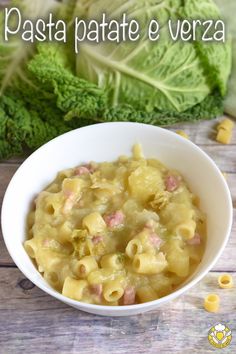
x: 105, y: 142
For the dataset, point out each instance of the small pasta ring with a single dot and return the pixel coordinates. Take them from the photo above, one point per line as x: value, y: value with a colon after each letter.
x: 212, y: 303
x: 225, y: 281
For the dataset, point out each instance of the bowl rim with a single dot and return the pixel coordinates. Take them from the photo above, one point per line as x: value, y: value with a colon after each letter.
x: 126, y: 308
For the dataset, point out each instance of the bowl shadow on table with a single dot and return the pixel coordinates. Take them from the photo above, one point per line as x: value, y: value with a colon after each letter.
x: 195, y: 301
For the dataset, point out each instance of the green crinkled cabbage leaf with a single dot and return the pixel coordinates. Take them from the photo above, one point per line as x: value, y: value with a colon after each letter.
x: 75, y: 97
x: 41, y: 95
x: 14, y: 53
x: 166, y: 75
x: 228, y: 9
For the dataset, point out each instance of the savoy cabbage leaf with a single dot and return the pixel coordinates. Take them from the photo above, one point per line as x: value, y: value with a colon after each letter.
x: 166, y: 75
x: 75, y: 96
x: 228, y: 10
x: 14, y: 53
x: 43, y: 87
x: 216, y: 57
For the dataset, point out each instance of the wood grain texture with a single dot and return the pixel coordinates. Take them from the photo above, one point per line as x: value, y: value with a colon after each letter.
x: 32, y: 322
x: 203, y: 132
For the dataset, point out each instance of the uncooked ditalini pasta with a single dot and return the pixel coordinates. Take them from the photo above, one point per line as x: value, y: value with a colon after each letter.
x: 182, y: 133
x: 225, y: 131
x: 224, y: 136
x: 226, y: 124
x: 117, y: 233
x: 225, y: 281
x: 212, y: 303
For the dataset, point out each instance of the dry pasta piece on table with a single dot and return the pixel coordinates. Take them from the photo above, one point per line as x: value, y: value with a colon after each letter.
x: 225, y: 281
x: 224, y: 136
x: 226, y: 124
x: 182, y: 133
x: 212, y: 303
x: 224, y: 131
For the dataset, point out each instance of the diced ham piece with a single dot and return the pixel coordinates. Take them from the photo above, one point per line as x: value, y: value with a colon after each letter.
x: 196, y: 240
x: 90, y: 167
x: 114, y: 219
x: 129, y: 296
x: 155, y: 240
x: 84, y: 170
x: 172, y: 183
x: 81, y: 170
x: 97, y: 239
x: 46, y: 243
x: 96, y: 289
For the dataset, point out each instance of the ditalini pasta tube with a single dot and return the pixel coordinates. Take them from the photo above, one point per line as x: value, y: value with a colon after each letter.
x: 74, y: 288
x: 212, y: 303
x: 31, y: 247
x: 94, y: 223
x: 112, y: 261
x: 134, y: 247
x: 186, y: 230
x: 83, y: 267
x: 226, y: 124
x: 146, y: 263
x: 224, y: 136
x: 113, y: 291
x: 225, y: 281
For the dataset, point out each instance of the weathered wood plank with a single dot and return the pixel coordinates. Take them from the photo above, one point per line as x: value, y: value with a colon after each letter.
x: 227, y: 259
x: 6, y: 173
x: 223, y: 155
x: 29, y: 320
x: 203, y: 132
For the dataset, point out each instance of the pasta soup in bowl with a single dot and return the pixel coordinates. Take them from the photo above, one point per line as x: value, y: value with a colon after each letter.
x: 115, y: 233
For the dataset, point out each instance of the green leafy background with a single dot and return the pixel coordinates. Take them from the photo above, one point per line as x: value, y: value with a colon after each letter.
x: 47, y: 90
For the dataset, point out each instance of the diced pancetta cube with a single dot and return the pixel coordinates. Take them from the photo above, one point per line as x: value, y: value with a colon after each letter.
x: 46, y: 243
x: 172, y: 183
x: 97, y: 239
x: 114, y: 219
x: 96, y: 289
x: 129, y: 296
x: 155, y: 240
x: 81, y: 170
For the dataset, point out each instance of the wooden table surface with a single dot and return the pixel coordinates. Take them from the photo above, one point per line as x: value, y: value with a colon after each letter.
x: 33, y: 322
